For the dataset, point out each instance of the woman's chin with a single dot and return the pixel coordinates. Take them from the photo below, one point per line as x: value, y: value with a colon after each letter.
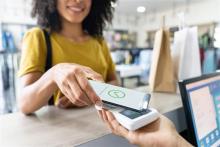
x: 75, y: 21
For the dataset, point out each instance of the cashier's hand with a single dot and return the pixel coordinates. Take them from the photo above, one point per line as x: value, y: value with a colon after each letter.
x: 160, y: 133
x: 72, y: 80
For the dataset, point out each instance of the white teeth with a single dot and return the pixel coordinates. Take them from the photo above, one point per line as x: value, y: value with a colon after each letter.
x: 76, y: 9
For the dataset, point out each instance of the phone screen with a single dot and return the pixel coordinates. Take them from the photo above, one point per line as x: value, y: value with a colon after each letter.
x: 119, y: 96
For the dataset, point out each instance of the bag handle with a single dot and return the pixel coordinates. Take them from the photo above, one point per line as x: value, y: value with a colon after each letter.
x: 48, y: 64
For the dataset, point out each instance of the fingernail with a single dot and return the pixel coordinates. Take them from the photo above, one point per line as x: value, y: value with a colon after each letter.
x: 98, y: 105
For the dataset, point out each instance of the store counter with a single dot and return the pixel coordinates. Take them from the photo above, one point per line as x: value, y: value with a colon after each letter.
x: 51, y: 126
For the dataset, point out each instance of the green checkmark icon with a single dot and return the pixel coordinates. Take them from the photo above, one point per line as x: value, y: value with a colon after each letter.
x: 116, y: 94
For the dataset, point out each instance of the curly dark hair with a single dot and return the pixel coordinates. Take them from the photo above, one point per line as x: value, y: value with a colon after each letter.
x: 48, y: 17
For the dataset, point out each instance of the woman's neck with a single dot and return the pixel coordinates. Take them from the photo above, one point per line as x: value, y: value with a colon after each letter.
x: 73, y: 31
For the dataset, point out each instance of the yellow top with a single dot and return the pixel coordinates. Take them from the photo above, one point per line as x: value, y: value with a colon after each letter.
x: 93, y: 53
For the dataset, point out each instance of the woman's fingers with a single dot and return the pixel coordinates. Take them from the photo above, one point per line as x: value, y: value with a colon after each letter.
x: 62, y: 102
x: 70, y: 88
x: 77, y: 104
x: 89, y: 73
x: 78, y: 93
x: 73, y: 83
x: 65, y: 89
x: 85, y: 86
x: 72, y: 98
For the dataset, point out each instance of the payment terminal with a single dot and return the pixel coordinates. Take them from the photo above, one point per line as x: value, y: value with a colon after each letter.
x: 129, y: 107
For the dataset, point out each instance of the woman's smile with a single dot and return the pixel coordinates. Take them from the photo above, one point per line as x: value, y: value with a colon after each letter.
x: 75, y: 9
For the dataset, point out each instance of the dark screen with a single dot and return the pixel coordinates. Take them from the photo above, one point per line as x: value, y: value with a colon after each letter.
x: 133, y: 114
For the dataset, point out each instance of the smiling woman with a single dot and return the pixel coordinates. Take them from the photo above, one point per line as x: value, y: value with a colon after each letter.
x: 79, y: 53
x: 99, y: 13
x: 73, y: 12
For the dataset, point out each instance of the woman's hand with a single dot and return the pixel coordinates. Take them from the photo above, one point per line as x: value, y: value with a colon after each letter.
x: 159, y: 133
x: 72, y: 80
x: 65, y: 103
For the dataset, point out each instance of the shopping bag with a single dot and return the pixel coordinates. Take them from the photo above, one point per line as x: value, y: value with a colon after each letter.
x: 186, y: 54
x: 145, y: 63
x: 161, y: 77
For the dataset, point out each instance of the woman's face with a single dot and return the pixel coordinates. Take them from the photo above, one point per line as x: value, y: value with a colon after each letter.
x: 74, y: 11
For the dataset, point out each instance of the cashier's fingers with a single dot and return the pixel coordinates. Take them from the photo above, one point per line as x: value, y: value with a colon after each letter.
x: 109, y: 126
x: 104, y: 116
x: 110, y: 116
x: 111, y: 122
x: 100, y: 114
x: 115, y: 126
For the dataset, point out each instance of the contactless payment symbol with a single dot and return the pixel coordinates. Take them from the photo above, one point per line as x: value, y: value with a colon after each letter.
x: 116, y: 94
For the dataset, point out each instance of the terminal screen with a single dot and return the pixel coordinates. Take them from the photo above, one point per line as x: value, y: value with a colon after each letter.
x: 133, y: 114
x: 204, y: 103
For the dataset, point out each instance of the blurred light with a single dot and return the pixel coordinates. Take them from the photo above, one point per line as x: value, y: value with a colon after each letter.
x: 217, y: 36
x: 217, y: 44
x: 217, y: 30
x: 114, y: 5
x: 141, y: 9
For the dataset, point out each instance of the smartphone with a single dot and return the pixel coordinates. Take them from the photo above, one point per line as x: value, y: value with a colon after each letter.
x: 121, y: 97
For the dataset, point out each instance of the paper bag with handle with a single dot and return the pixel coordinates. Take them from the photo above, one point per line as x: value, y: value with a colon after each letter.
x: 161, y: 74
